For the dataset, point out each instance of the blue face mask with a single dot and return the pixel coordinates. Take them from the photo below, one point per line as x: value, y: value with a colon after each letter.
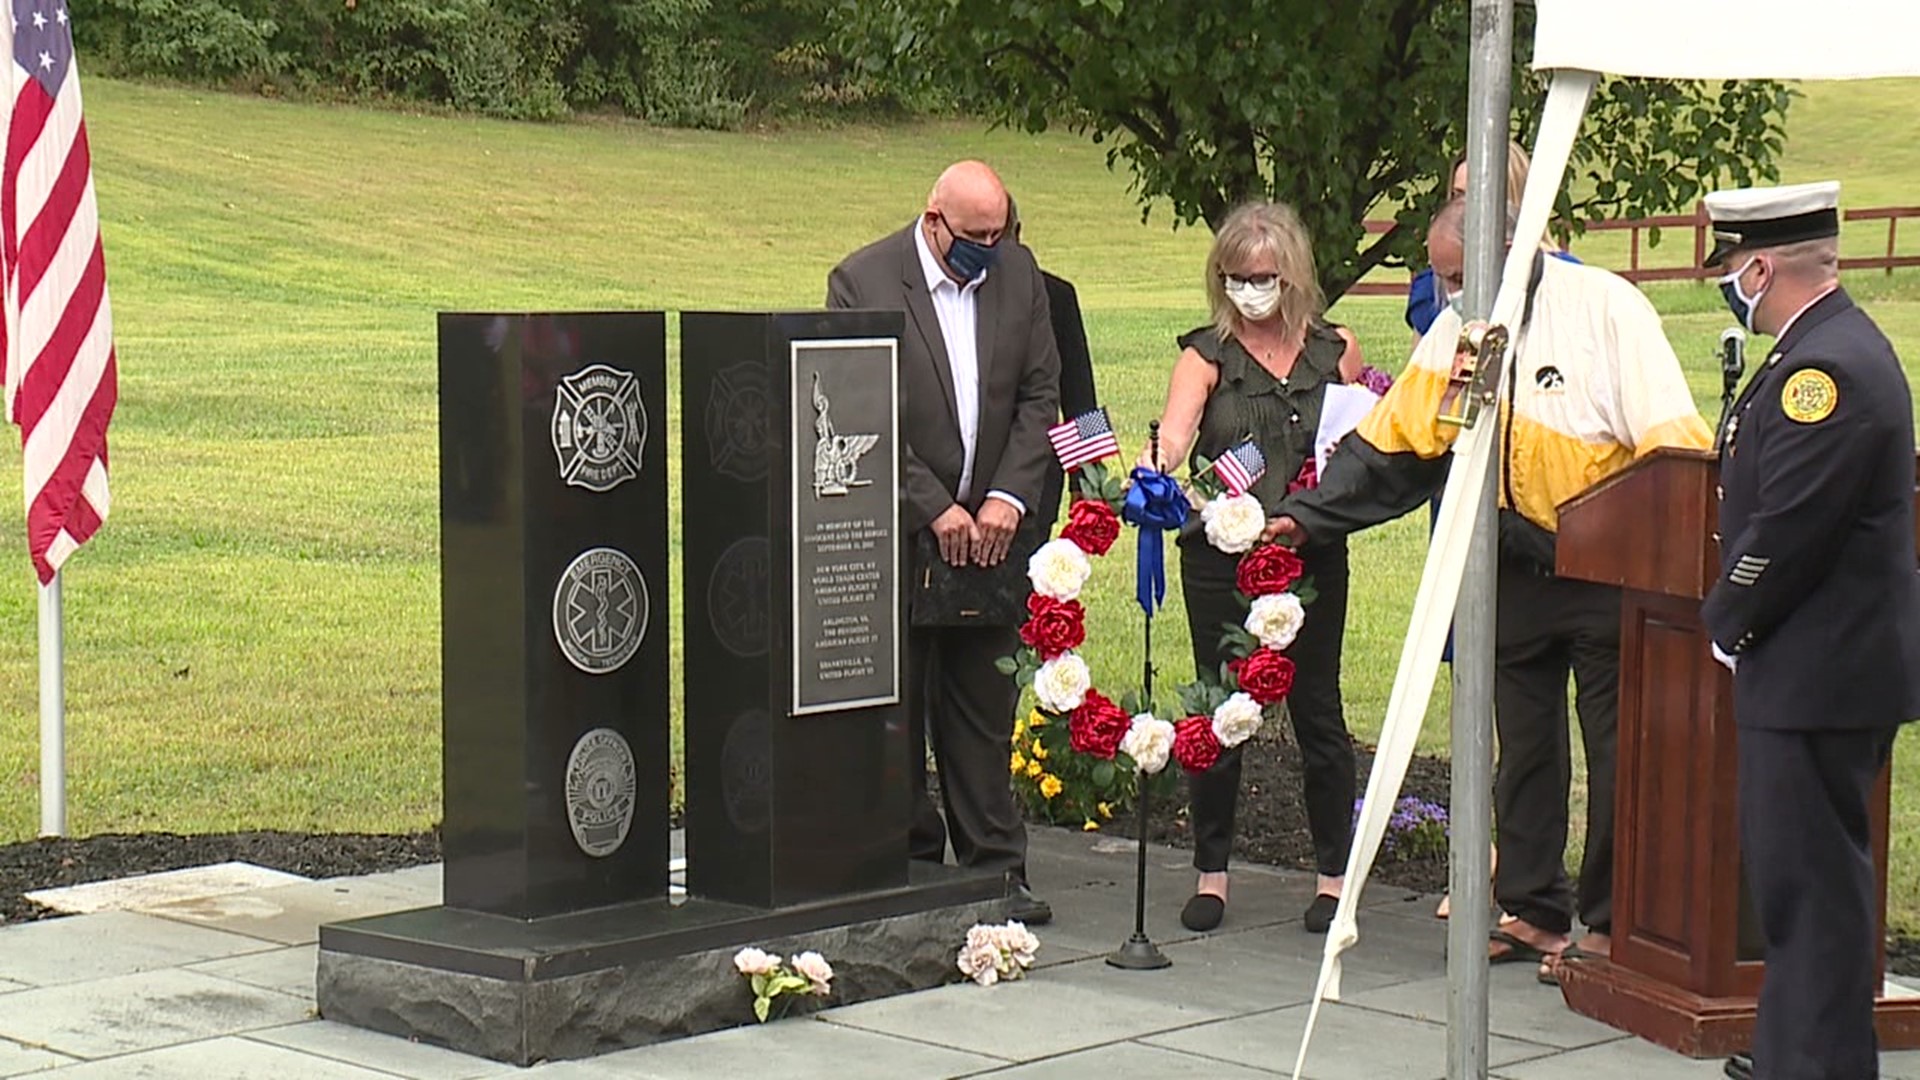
x: 1738, y: 302
x: 968, y: 258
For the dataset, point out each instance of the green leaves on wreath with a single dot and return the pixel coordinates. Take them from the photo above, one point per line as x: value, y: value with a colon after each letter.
x: 1305, y: 591
x: 1237, y: 641
x: 1205, y: 480
x: 1022, y: 666
x: 1094, y: 481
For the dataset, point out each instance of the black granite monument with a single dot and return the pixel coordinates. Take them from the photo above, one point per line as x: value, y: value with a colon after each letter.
x: 796, y: 624
x: 558, y: 937
x: 553, y: 591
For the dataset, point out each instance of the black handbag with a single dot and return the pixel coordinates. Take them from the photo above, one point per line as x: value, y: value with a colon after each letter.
x: 945, y: 595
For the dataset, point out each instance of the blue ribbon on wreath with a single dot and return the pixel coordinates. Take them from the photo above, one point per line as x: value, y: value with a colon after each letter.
x: 1156, y: 504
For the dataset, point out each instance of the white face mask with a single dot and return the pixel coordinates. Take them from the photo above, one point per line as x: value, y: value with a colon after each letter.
x: 1255, y: 302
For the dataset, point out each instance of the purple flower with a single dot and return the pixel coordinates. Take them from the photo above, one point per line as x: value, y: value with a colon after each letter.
x: 1375, y: 380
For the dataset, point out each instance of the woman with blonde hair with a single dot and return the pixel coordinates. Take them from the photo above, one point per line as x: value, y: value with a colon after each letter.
x: 1261, y: 369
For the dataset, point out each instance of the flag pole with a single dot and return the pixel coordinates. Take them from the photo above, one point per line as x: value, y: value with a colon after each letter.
x: 53, y: 735
x: 1471, y: 762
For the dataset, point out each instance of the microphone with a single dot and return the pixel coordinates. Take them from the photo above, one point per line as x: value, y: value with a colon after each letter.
x: 1733, y: 354
x: 1733, y: 363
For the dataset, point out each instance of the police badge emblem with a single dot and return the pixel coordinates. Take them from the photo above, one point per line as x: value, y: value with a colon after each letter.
x: 600, y: 610
x: 599, y: 427
x: 600, y: 789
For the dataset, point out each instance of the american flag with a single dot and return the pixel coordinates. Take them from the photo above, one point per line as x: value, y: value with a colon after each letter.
x: 1240, y: 467
x: 57, y: 355
x: 1087, y: 437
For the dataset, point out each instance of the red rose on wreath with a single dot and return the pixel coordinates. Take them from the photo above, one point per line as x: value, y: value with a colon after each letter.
x: 1195, y: 746
x: 1264, y: 674
x: 1097, y: 726
x: 1092, y: 526
x: 1268, y: 569
x: 1053, y: 626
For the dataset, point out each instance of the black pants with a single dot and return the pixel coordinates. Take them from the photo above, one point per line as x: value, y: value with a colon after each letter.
x: 1804, y: 840
x: 956, y: 696
x: 1207, y: 583
x: 1547, y: 626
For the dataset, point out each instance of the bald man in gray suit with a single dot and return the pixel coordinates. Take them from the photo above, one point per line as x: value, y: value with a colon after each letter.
x: 980, y: 374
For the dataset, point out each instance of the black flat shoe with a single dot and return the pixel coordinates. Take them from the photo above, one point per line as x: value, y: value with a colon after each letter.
x: 1740, y: 1067
x: 1203, y: 912
x: 1320, y: 913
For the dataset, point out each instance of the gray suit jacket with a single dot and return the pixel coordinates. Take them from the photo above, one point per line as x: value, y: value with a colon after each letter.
x: 1019, y: 367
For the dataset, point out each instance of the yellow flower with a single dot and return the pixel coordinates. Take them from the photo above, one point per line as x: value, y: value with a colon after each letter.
x: 1017, y: 764
x: 1090, y: 826
x: 1105, y: 811
x: 1050, y: 785
x: 1037, y: 719
x: 1039, y: 752
x: 1034, y: 769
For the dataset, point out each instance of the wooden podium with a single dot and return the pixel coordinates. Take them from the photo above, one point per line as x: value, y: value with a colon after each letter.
x: 1687, y: 950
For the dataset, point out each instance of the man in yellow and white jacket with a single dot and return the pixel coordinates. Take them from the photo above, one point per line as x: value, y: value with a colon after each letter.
x: 1594, y: 386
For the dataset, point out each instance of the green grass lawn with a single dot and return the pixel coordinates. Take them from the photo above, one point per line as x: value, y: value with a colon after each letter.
x: 253, y: 641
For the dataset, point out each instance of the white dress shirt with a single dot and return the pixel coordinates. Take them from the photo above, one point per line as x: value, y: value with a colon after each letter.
x: 959, y: 315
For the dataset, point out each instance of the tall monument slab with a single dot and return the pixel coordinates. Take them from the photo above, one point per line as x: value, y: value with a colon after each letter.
x: 796, y: 622
x: 554, y: 634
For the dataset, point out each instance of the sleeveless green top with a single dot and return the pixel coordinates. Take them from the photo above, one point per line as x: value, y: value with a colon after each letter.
x: 1281, y: 415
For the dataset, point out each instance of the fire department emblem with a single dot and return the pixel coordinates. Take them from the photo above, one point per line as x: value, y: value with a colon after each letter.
x: 600, y: 788
x: 599, y: 427
x: 600, y: 610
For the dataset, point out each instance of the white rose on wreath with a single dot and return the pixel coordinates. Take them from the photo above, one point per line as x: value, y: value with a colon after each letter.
x: 1148, y: 742
x: 1234, y: 523
x: 1062, y: 683
x: 1237, y: 718
x: 1059, y: 569
x: 1276, y: 619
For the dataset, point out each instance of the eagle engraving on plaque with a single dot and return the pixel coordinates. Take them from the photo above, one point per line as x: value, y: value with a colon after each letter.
x: 836, y: 457
x: 600, y: 610
x: 599, y: 427
x: 600, y: 790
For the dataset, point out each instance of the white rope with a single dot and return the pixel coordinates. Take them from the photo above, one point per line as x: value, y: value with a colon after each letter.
x: 1448, y: 549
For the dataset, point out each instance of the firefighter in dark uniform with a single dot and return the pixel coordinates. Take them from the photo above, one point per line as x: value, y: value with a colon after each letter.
x: 1817, y: 613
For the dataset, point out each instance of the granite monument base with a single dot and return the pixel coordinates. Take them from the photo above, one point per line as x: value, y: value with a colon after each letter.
x: 591, y: 982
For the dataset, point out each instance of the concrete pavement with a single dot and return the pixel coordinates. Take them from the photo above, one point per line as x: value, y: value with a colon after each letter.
x: 181, y: 986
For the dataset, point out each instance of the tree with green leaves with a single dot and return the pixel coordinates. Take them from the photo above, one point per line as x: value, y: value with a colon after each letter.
x: 1342, y: 110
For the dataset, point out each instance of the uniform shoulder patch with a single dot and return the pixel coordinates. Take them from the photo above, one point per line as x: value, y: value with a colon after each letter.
x: 1809, y: 396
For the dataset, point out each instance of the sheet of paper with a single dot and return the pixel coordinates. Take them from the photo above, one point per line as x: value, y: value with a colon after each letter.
x: 1345, y: 405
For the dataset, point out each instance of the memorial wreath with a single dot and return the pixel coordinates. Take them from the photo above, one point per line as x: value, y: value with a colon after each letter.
x: 1079, y: 755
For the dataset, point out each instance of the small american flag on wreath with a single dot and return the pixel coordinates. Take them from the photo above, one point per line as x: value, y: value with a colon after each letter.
x: 1087, y: 437
x: 1240, y: 467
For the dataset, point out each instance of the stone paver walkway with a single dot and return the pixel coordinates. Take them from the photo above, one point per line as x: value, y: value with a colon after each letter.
x: 221, y: 986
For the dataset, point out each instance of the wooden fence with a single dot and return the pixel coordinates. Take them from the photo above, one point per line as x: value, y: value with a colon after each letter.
x: 1702, y: 229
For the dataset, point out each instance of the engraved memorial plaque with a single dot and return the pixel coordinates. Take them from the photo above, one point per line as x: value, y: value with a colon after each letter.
x: 843, y: 549
x: 795, y: 714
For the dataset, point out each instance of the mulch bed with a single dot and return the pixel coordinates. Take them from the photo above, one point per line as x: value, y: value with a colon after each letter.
x: 1270, y: 824
x: 51, y: 863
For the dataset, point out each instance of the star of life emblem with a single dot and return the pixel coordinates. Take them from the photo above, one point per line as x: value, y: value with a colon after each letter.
x: 600, y: 788
x: 599, y: 427
x: 600, y: 610
x: 836, y: 458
